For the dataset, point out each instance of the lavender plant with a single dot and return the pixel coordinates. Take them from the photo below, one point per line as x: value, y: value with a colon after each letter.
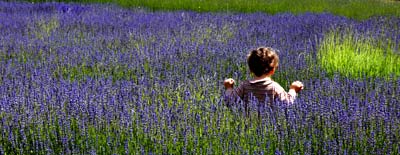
x: 99, y: 79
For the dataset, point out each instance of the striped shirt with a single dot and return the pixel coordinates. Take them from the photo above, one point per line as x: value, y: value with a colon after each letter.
x: 261, y: 89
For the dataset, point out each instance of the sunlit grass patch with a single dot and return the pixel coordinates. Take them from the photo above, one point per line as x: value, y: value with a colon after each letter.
x: 43, y: 28
x: 358, y: 9
x: 357, y: 56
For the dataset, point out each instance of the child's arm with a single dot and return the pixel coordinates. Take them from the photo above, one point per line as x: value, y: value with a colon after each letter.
x: 231, y: 93
x: 296, y: 86
x: 289, y: 96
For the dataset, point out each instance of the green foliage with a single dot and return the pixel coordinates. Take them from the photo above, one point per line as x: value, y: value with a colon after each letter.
x: 357, y: 56
x: 81, y: 72
x: 358, y: 9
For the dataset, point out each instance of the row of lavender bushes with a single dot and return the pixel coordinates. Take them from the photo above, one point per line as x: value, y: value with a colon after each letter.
x: 97, y: 79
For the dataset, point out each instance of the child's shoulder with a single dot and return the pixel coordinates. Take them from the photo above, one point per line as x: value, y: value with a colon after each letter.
x: 276, y: 85
x: 244, y: 82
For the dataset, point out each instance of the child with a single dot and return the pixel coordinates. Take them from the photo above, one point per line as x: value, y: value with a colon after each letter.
x: 262, y: 63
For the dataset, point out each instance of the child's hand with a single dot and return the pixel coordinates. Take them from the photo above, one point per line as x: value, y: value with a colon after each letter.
x: 228, y: 83
x: 297, y: 86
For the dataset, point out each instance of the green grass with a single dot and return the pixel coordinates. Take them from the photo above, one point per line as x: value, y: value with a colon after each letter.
x: 358, y: 9
x: 80, y: 72
x: 357, y: 56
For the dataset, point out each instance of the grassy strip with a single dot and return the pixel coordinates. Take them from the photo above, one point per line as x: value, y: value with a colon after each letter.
x: 357, y: 56
x: 358, y: 9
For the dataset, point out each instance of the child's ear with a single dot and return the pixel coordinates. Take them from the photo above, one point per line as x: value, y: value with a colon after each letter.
x: 273, y: 70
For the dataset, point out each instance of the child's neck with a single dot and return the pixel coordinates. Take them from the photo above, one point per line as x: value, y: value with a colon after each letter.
x: 265, y: 76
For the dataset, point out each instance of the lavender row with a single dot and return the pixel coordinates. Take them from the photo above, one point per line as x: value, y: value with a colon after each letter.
x: 51, y: 116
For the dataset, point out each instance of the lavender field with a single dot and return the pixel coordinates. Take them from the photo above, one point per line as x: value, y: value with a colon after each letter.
x: 100, y: 79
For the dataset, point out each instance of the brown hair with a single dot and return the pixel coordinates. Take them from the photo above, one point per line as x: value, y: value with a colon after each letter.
x: 262, y: 60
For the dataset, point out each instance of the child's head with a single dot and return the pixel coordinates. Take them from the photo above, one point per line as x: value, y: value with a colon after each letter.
x: 262, y: 60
